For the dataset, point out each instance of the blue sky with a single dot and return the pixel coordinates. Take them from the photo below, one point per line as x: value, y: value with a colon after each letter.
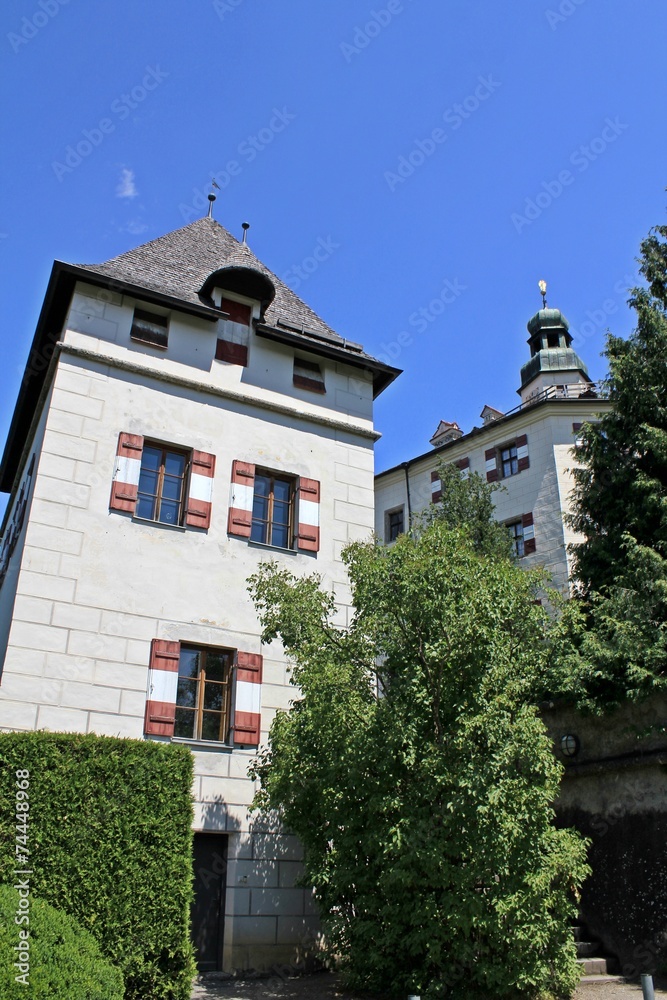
x: 447, y: 154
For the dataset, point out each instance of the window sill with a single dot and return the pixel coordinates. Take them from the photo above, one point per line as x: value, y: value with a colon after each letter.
x: 213, y: 745
x: 272, y: 548
x: 159, y: 524
x: 149, y: 343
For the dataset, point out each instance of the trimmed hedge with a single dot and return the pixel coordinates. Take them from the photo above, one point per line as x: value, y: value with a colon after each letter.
x: 110, y: 840
x: 63, y: 960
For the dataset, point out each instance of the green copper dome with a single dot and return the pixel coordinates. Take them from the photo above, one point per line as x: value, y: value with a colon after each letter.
x: 547, y: 319
x: 550, y: 344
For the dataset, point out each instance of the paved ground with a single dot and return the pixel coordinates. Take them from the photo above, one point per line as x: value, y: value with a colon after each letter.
x: 324, y: 986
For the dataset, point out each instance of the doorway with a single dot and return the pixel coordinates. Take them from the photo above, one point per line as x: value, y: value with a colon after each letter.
x: 208, y: 907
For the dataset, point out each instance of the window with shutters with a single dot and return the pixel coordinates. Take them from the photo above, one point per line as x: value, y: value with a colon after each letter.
x: 162, y: 484
x: 273, y: 510
x: 150, y: 328
x: 522, y: 535
x: 508, y: 462
x: 203, y: 695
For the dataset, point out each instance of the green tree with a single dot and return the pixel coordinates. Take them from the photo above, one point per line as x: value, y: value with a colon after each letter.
x: 621, y: 501
x: 417, y: 773
x: 468, y: 503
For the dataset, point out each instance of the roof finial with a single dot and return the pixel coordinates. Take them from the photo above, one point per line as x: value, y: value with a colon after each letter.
x: 211, y: 197
x: 542, y: 285
x: 245, y: 226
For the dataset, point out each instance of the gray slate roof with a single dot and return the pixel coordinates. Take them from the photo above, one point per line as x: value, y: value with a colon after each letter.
x: 178, y: 263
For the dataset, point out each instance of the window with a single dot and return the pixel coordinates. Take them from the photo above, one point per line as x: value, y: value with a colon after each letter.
x: 150, y: 328
x: 203, y: 695
x: 191, y: 689
x: 393, y: 524
x: 308, y: 375
x: 509, y: 462
x: 157, y: 482
x: 516, y: 536
x: 161, y: 484
x: 272, y: 508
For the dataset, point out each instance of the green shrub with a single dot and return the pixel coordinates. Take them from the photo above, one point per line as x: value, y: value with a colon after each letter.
x: 64, y: 960
x: 110, y: 840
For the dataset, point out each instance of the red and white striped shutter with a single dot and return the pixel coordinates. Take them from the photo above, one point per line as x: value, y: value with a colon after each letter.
x: 126, y: 472
x: 436, y: 487
x: 522, y: 452
x: 241, y: 499
x: 233, y: 345
x: 248, y: 698
x: 491, y: 465
x: 200, y: 490
x: 464, y: 465
x: 308, y: 513
x: 528, y: 534
x: 162, y: 687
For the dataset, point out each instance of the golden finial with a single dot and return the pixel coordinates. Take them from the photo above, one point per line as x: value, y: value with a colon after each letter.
x: 542, y: 285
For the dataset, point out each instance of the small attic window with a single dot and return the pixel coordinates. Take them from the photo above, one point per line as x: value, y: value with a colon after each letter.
x: 150, y: 328
x: 308, y: 375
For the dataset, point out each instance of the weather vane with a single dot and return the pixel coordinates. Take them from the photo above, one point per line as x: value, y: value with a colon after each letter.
x: 542, y: 285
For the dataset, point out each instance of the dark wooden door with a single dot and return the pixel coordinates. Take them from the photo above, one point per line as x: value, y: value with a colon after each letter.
x: 208, y: 908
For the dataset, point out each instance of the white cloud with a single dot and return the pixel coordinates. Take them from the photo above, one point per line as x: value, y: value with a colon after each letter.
x: 126, y: 187
x: 136, y: 227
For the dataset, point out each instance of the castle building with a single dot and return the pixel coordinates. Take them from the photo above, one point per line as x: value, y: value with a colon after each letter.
x: 527, y: 451
x: 183, y: 416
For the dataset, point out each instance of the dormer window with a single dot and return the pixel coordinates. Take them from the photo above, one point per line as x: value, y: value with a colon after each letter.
x: 150, y: 328
x: 308, y: 375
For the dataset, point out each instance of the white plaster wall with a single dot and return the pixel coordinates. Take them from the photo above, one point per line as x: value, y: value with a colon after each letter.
x: 101, y: 584
x: 101, y: 320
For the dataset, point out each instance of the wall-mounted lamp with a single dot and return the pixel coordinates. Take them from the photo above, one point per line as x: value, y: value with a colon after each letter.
x: 569, y: 745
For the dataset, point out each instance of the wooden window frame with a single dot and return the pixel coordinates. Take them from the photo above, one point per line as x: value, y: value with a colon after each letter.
x: 155, y: 319
x: 198, y: 711
x: 269, y: 522
x: 157, y: 497
x: 388, y: 537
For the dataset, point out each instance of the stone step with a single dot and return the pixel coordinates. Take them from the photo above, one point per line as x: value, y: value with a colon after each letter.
x: 586, y: 949
x: 593, y: 966
x: 602, y: 981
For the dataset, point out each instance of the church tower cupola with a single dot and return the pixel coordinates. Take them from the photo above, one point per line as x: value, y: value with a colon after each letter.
x: 553, y: 362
